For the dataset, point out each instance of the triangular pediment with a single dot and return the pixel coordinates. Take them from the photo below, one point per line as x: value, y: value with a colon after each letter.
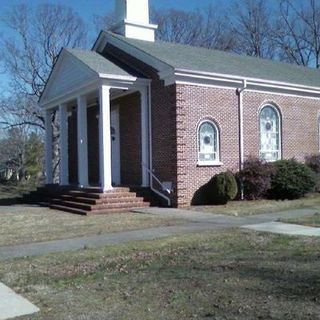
x: 68, y: 74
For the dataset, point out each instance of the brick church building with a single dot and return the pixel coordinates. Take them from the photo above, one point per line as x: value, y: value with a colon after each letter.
x: 167, y: 117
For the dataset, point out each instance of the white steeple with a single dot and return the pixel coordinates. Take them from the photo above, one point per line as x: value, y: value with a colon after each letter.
x: 132, y: 20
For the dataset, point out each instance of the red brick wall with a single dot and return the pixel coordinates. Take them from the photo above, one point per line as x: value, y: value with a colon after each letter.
x: 299, y: 123
x: 193, y: 105
x: 164, y: 134
x: 130, y: 138
x: 299, y: 130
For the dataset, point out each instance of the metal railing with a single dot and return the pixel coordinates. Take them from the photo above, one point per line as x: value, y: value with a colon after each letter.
x: 164, y: 187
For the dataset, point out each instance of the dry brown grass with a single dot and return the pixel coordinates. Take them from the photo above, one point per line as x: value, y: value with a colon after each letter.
x: 21, y: 224
x: 310, y: 221
x: 248, y: 208
x: 222, y: 275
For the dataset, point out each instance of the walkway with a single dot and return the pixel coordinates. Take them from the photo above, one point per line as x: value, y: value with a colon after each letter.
x: 285, y: 228
x: 13, y: 305
x: 198, y: 222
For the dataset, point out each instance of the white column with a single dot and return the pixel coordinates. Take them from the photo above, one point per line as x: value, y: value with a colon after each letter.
x: 105, y: 138
x: 49, y: 145
x: 144, y: 136
x: 64, y: 166
x: 82, y: 142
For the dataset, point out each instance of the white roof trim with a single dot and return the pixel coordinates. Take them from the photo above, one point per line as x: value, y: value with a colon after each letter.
x: 180, y: 76
x: 236, y: 77
x: 116, y: 77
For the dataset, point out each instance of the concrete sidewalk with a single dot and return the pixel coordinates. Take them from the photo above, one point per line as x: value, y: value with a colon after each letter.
x: 198, y: 222
x: 41, y: 248
x: 13, y: 305
x: 285, y: 228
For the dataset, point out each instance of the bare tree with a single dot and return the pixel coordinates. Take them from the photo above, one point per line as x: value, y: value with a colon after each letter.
x: 298, y: 32
x: 105, y: 22
x: 30, y: 56
x: 207, y: 28
x: 253, y: 29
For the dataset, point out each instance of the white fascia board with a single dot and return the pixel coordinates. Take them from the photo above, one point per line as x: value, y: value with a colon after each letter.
x: 283, y: 88
x: 218, y: 84
x: 70, y: 95
x: 125, y: 84
x: 289, y: 94
x: 117, y: 77
x: 239, y: 79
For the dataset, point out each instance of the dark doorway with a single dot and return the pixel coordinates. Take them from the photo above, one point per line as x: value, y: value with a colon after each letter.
x: 93, y: 145
x: 73, y: 148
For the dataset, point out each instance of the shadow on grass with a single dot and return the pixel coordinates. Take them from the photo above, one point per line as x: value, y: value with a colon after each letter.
x: 11, y: 201
x: 11, y: 194
x: 296, y: 280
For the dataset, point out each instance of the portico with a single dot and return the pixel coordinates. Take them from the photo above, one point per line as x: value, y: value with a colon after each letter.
x: 81, y: 84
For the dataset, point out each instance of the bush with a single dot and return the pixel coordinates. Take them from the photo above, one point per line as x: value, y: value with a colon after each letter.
x: 291, y: 180
x: 255, y: 178
x: 313, y: 162
x: 222, y: 188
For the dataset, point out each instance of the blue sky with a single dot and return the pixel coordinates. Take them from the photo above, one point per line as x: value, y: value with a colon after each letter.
x: 88, y: 8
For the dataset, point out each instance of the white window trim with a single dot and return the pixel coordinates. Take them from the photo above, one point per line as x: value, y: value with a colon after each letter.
x: 279, y: 151
x: 217, y: 162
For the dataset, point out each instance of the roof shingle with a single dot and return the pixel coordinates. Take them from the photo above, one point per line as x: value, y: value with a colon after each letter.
x: 97, y: 62
x: 214, y: 61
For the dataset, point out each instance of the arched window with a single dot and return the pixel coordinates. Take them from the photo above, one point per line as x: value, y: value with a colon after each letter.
x: 208, y: 143
x: 270, y: 134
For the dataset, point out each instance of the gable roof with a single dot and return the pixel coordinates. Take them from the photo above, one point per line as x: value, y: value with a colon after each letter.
x: 97, y: 63
x: 199, y: 59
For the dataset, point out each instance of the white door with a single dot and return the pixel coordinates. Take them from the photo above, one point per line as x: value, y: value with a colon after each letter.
x: 115, y: 146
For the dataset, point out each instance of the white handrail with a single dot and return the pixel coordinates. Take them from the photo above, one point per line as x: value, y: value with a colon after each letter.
x: 153, y: 176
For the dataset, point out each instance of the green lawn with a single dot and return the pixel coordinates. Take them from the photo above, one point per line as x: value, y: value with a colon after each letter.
x: 222, y: 275
x: 311, y: 221
x: 248, y: 208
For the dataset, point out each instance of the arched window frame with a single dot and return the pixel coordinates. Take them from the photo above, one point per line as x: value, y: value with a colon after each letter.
x: 216, y: 161
x: 278, y: 114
